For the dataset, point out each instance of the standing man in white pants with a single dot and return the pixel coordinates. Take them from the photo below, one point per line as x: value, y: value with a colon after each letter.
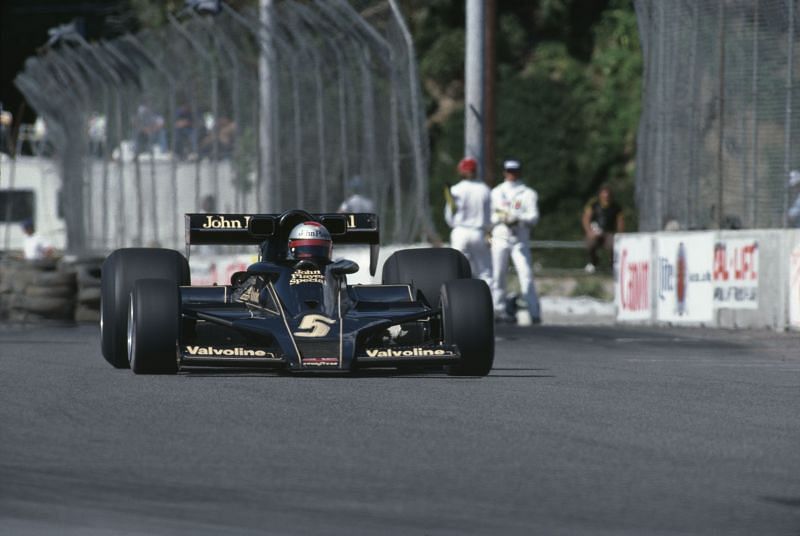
x: 468, y: 213
x: 514, y: 212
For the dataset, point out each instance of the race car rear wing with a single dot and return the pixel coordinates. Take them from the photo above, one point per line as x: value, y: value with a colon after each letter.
x: 255, y: 229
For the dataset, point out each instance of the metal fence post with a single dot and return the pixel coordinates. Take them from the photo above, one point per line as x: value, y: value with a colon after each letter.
x: 266, y: 98
x: 788, y: 112
x: 721, y: 112
x: 753, y: 208
x: 171, y: 108
x: 198, y: 48
x: 419, y: 134
x: 691, y: 193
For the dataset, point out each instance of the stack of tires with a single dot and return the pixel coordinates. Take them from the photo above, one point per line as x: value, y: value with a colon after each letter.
x: 5, y: 291
x: 36, y: 290
x: 87, y: 276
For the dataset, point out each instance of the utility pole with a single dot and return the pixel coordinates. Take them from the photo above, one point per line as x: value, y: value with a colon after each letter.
x: 265, y: 182
x: 490, y: 75
x: 474, y: 84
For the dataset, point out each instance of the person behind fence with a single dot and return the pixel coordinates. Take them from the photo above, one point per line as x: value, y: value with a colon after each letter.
x: 467, y: 212
x: 6, y: 122
x: 185, y: 133
x: 97, y: 134
x: 602, y: 218
x: 222, y: 131
x: 34, y: 248
x: 514, y: 211
x: 150, y: 133
x: 793, y: 213
x: 356, y: 201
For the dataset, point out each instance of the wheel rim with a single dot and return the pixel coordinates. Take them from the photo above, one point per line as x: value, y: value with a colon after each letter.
x: 456, y: 366
x: 131, y: 335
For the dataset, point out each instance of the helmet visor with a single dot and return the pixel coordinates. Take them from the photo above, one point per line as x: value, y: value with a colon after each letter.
x: 310, y: 249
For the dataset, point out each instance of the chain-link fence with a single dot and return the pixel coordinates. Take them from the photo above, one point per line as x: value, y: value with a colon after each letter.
x: 151, y: 125
x: 719, y: 128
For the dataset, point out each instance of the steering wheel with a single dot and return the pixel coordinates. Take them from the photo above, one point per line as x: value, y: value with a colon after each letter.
x: 276, y: 248
x: 290, y: 219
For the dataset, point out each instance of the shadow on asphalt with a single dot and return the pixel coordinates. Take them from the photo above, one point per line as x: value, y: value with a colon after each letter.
x: 517, y: 368
x: 361, y: 374
x: 792, y: 502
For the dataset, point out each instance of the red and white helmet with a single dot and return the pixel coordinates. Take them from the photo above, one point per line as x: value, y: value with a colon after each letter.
x: 310, y: 240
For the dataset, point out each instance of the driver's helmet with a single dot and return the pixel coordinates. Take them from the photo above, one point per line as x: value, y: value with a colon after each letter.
x: 310, y: 240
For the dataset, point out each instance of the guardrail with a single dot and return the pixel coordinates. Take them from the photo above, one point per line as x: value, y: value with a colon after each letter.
x: 557, y: 244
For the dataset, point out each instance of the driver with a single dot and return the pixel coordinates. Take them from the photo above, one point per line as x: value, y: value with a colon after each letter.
x: 310, y: 241
x: 311, y: 247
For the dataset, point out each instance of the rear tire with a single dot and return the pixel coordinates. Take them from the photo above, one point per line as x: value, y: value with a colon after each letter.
x: 426, y: 269
x: 120, y: 271
x: 468, y: 322
x: 153, y: 327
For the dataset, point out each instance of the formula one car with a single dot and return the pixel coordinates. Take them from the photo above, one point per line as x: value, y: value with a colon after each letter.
x: 294, y: 311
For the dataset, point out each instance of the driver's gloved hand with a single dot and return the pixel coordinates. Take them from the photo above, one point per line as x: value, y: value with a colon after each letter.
x: 343, y: 266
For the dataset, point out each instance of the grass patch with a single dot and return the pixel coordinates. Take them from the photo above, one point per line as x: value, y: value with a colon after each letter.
x: 593, y: 287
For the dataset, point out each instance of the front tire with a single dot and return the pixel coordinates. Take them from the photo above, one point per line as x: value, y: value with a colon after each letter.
x: 153, y: 327
x: 468, y: 323
x: 426, y: 269
x: 120, y: 271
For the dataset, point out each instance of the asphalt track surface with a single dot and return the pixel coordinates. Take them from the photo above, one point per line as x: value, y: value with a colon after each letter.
x: 578, y: 430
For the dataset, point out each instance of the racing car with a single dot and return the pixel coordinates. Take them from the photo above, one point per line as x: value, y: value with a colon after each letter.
x: 293, y: 309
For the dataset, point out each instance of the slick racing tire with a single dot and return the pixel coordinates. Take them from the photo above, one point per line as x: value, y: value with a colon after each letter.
x: 426, y: 269
x: 120, y: 271
x: 153, y: 326
x: 468, y: 322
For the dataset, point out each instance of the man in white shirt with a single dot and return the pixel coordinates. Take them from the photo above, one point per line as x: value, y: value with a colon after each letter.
x: 468, y: 213
x: 35, y: 247
x: 514, y: 212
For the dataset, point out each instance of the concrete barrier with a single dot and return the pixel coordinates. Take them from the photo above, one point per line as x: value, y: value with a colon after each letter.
x: 766, y: 273
x: 725, y: 279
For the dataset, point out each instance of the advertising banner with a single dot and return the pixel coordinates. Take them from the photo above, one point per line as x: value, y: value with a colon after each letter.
x: 218, y: 269
x: 794, y: 287
x: 684, y: 288
x: 736, y: 273
x: 632, y: 270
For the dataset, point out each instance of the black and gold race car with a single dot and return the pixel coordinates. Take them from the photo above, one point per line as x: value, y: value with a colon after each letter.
x: 297, y: 316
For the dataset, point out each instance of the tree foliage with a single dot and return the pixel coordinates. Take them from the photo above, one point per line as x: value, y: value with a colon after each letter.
x: 568, y: 98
